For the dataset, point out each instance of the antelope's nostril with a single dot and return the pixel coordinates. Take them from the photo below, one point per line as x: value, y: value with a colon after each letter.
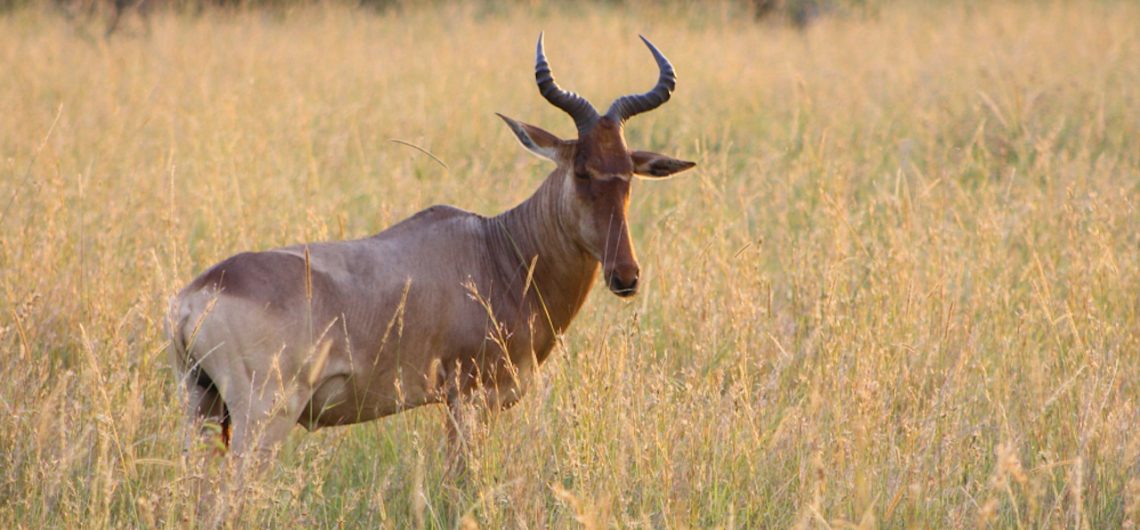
x: 623, y: 288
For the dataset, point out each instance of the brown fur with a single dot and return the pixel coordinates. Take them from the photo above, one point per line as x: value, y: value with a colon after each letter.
x: 444, y: 307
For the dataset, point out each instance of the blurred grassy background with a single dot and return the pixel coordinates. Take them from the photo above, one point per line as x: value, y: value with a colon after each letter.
x: 901, y: 288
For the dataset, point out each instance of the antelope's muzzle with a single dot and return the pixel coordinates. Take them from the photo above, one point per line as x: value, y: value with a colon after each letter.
x: 622, y: 280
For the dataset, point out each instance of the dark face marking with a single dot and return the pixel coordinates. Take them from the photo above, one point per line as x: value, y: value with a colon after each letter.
x: 603, y: 171
x: 602, y: 151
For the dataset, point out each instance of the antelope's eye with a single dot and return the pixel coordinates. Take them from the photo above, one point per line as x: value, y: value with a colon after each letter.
x: 581, y: 175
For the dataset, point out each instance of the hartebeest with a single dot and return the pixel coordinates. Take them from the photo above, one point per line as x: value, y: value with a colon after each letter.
x: 443, y: 307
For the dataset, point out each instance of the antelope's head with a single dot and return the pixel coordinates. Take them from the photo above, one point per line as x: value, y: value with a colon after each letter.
x: 596, y: 170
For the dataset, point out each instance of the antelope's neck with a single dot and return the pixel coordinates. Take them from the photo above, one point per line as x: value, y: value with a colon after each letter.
x: 534, y: 232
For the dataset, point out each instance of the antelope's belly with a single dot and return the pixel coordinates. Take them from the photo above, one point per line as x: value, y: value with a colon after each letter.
x: 341, y: 400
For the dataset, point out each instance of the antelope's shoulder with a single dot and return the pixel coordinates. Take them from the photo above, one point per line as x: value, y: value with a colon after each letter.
x: 437, y: 215
x: 439, y: 212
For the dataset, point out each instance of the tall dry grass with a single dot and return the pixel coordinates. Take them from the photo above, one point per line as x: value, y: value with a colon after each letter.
x: 901, y: 289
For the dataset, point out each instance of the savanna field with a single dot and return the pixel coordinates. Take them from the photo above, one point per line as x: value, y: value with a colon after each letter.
x: 901, y: 288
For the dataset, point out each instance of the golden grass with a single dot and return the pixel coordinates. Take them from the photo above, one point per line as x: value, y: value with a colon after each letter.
x: 901, y: 289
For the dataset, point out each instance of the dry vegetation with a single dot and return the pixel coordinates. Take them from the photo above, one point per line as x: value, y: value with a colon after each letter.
x: 901, y: 289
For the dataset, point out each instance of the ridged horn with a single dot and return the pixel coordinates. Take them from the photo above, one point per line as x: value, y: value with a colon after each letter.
x: 576, y: 106
x: 626, y: 107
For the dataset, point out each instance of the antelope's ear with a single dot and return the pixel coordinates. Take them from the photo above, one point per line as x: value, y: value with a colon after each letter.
x: 654, y: 165
x: 536, y: 139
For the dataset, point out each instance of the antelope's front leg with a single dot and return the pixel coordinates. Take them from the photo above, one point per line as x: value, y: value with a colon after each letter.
x: 468, y: 415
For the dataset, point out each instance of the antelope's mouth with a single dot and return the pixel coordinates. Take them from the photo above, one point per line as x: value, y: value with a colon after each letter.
x: 624, y: 293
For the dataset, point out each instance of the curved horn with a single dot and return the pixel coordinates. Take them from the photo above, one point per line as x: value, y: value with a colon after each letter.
x: 576, y: 106
x: 626, y: 107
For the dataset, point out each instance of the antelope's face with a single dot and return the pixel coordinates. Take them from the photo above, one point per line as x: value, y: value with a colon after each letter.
x: 595, y: 172
x: 597, y: 191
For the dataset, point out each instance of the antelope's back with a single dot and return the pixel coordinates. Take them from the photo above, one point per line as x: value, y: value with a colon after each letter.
x: 405, y: 283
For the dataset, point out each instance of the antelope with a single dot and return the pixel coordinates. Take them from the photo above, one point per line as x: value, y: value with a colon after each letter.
x: 445, y: 307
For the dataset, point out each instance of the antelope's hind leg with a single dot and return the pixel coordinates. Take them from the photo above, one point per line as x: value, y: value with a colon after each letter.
x: 262, y: 420
x: 205, y: 438
x: 208, y: 420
